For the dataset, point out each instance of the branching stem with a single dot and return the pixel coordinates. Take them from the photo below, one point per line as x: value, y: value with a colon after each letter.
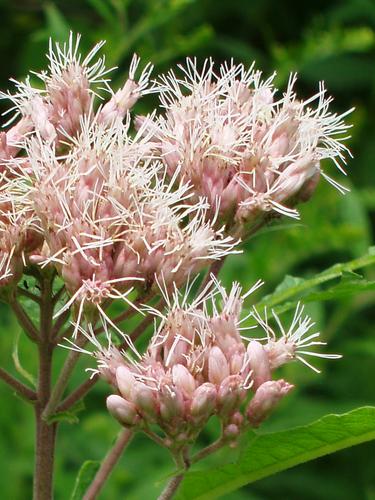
x: 18, y: 386
x: 108, y: 464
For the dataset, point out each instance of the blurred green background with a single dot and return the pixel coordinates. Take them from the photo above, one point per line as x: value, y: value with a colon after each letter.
x: 325, y: 40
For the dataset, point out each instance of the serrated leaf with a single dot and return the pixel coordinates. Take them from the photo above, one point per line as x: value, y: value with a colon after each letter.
x: 85, y: 476
x: 273, y: 452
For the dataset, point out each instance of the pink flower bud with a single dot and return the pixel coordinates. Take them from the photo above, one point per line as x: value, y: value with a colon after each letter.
x: 218, y: 368
x: 230, y: 394
x: 237, y: 419
x: 39, y: 115
x: 124, y: 411
x: 236, y: 363
x: 121, y: 102
x: 183, y: 379
x: 231, y: 432
x: 125, y: 381
x: 144, y: 399
x: 258, y: 363
x: 309, y: 186
x: 171, y: 403
x: 203, y: 401
x: 266, y: 399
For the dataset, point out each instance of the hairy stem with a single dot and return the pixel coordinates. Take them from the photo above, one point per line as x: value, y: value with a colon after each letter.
x: 214, y: 269
x: 108, y: 464
x: 182, y: 462
x: 45, y: 432
x: 208, y: 450
x: 130, y: 311
x: 77, y: 394
x: 24, y: 320
x: 61, y: 383
x: 29, y: 295
x: 171, y: 487
x: 18, y: 386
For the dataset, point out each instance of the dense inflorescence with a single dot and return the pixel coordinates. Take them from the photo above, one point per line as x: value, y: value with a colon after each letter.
x: 198, y: 364
x: 122, y: 208
x: 242, y: 146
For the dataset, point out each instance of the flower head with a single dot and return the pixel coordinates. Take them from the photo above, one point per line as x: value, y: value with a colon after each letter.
x: 242, y: 146
x: 198, y: 364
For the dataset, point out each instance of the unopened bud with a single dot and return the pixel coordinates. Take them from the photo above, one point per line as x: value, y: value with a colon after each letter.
x: 258, y: 363
x: 204, y: 400
x: 143, y: 397
x: 125, y: 381
x: 124, y: 411
x: 266, y: 399
x: 218, y: 368
x: 171, y: 403
x: 229, y: 394
x: 237, y: 419
x: 231, y: 432
x: 183, y: 379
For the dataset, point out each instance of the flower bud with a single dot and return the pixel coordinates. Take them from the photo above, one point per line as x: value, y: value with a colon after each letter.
x: 231, y: 432
x: 204, y: 400
x: 218, y: 368
x: 124, y: 411
x: 237, y: 419
x: 266, y: 399
x: 144, y: 399
x: 229, y: 394
x: 183, y: 379
x: 171, y: 403
x: 125, y: 381
x: 259, y: 363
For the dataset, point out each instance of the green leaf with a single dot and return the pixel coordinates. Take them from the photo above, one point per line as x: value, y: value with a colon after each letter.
x: 69, y: 416
x: 297, y: 288
x: 85, y: 476
x: 273, y: 452
x: 57, y: 26
x: 17, y: 363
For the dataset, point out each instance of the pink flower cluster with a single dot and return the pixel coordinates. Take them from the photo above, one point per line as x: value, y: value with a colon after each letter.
x: 199, y: 365
x: 80, y: 193
x: 253, y: 153
x: 112, y: 210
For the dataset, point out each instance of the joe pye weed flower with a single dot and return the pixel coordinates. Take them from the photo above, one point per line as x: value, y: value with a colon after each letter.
x: 99, y: 206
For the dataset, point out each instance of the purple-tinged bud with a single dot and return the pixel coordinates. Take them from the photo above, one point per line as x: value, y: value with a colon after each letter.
x: 183, y: 379
x: 204, y: 401
x: 231, y: 432
x: 39, y: 115
x: 120, y: 103
x: 124, y: 411
x: 171, y: 403
x: 266, y: 399
x: 237, y: 419
x: 258, y: 363
x: 236, y: 363
x: 230, y: 394
x: 309, y: 186
x: 218, y: 368
x: 125, y: 381
x: 279, y: 145
x: 144, y: 399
